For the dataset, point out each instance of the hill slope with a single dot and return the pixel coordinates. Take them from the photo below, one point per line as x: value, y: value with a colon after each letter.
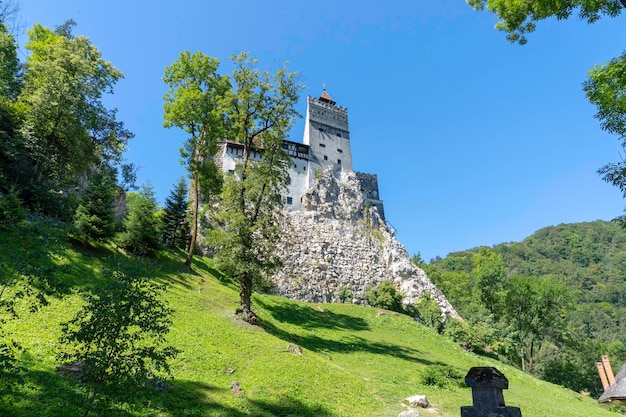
x: 354, y: 361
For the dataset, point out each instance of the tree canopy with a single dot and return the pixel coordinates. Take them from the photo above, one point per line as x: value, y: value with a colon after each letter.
x: 258, y: 112
x: 518, y: 18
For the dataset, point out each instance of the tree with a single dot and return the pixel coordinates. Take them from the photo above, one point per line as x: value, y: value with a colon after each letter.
x: 66, y: 128
x: 191, y: 103
x: 606, y: 85
x: 259, y: 111
x: 518, y: 18
x: 490, y: 277
x: 118, y: 338
x: 142, y: 226
x: 535, y: 309
x: 175, y: 218
x: 95, y: 216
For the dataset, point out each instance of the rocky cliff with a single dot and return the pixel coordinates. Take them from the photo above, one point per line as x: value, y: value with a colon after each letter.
x: 338, y: 241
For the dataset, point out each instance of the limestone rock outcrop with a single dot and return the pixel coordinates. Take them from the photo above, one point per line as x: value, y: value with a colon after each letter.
x: 338, y: 243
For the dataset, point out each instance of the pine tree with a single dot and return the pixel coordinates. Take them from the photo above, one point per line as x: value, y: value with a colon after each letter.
x: 176, y: 231
x: 95, y: 216
x: 142, y: 226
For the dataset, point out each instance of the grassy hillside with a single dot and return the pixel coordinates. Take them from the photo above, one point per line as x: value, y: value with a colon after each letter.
x: 354, y: 361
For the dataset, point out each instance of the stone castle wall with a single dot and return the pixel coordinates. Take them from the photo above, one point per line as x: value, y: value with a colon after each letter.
x: 338, y: 241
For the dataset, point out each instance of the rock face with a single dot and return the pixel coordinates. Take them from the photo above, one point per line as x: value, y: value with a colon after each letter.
x: 337, y: 242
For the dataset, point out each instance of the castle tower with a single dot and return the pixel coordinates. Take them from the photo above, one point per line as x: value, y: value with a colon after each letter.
x: 327, y: 134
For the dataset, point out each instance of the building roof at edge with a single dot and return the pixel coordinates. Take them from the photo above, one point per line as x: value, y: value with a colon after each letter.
x: 617, y: 391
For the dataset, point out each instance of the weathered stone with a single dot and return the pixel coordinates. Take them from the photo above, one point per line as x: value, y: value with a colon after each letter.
x: 236, y: 388
x: 410, y: 413
x: 348, y: 245
x: 418, y: 401
x: 297, y: 350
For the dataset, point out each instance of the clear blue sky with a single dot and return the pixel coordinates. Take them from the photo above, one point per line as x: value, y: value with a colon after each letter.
x: 475, y: 141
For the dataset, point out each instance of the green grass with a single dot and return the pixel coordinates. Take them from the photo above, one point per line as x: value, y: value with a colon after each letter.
x: 354, y: 361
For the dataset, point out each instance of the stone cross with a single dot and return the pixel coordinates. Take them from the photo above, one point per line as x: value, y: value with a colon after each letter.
x: 487, y: 384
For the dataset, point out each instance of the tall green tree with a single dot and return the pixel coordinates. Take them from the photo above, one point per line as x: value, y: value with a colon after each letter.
x: 142, y: 224
x: 535, y: 310
x: 605, y: 86
x: 490, y: 277
x: 66, y: 127
x: 96, y: 214
x: 176, y: 231
x: 191, y: 103
x: 259, y: 110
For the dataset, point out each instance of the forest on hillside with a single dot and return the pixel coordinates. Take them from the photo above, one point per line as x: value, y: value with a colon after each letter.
x: 551, y: 304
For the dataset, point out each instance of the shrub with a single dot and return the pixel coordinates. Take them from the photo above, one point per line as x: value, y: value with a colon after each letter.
x: 442, y: 376
x: 429, y: 312
x: 11, y: 211
x: 384, y: 295
x: 345, y: 293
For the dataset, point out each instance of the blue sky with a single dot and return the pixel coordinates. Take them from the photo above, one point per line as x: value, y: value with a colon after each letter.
x: 475, y: 141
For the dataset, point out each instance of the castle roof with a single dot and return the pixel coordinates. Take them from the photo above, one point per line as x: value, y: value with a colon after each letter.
x: 325, y: 97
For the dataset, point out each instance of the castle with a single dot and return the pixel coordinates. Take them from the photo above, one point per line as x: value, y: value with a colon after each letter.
x: 325, y: 147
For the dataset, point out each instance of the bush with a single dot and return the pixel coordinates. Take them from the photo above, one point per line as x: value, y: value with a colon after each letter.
x: 442, y: 376
x: 429, y: 312
x: 142, y: 225
x: 345, y: 293
x: 11, y: 211
x: 384, y: 295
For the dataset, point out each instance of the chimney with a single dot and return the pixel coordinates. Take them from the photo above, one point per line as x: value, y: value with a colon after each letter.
x: 608, y: 370
x: 602, y: 373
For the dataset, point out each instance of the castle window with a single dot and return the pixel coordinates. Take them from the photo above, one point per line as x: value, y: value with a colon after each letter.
x: 325, y: 158
x: 339, y: 150
x: 304, y: 168
x: 339, y: 134
x: 232, y: 171
x: 321, y: 130
x: 322, y: 145
x: 339, y: 161
x: 289, y: 200
x: 288, y: 180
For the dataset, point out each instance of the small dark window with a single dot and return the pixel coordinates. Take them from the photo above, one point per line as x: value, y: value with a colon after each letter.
x: 339, y: 161
x: 339, y: 134
x: 321, y: 130
x: 325, y: 158
x: 288, y: 180
x: 339, y: 150
x: 232, y: 171
x: 289, y: 200
x: 304, y: 168
x: 322, y: 145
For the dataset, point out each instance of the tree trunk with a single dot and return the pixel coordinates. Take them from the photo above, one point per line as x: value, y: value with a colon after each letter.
x: 245, y: 295
x: 523, y: 360
x: 194, y: 221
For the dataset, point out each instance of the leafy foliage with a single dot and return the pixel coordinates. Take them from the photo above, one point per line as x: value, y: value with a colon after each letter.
x: 518, y: 18
x: 142, y: 225
x: 95, y: 216
x: 54, y: 126
x: 384, y: 295
x: 605, y: 86
x: 176, y: 217
x: 118, y: 339
x: 563, y: 305
x: 192, y: 104
x: 429, y: 312
x: 258, y: 112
